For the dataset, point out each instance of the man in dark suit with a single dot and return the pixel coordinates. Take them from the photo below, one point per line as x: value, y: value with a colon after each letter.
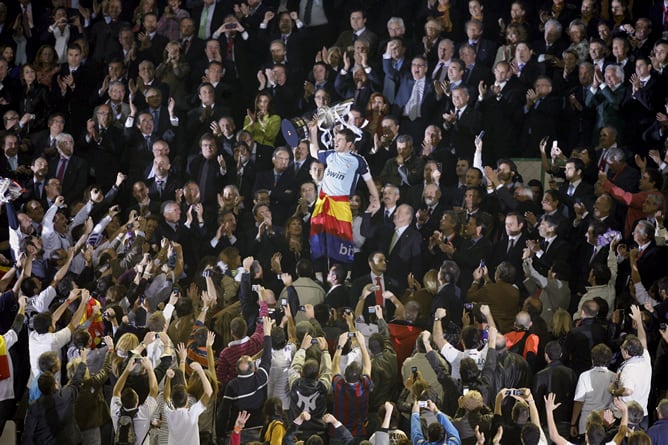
x: 301, y: 162
x: 575, y: 190
x: 261, y: 155
x: 162, y: 186
x: 541, y: 112
x: 73, y: 89
x: 511, y: 245
x: 145, y: 81
x: 103, y: 146
x: 283, y: 28
x: 551, y: 247
x: 13, y: 164
x: 338, y: 294
x: 416, y: 99
x: 208, y: 17
x: 475, y: 72
x: 580, y: 119
x: 524, y: 67
x: 71, y: 170
x: 607, y: 99
x: 139, y: 139
x: 403, y: 247
x: 165, y: 122
x: 379, y: 278
x: 209, y: 170
x: 103, y: 36
x: 485, y: 49
x: 374, y: 225
x: 474, y: 249
x: 198, y: 120
x: 500, y: 110
x: 283, y: 185
x: 174, y: 230
x: 242, y: 173
x: 359, y: 30
x: 151, y: 44
x: 549, y: 48
x: 650, y: 258
x: 395, y: 66
x: 642, y: 101
x: 463, y: 123
x: 34, y: 187
x: 428, y: 217
x: 193, y: 46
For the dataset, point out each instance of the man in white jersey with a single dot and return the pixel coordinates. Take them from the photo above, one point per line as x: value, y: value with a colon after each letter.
x: 331, y: 222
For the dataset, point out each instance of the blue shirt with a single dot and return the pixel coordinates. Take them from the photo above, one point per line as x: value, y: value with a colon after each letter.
x: 342, y: 172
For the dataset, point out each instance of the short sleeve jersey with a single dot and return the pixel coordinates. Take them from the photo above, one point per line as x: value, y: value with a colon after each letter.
x: 342, y: 172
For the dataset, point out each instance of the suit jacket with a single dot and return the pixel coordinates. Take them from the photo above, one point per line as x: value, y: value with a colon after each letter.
x: 501, y: 117
x: 540, y: 47
x: 428, y: 104
x: 393, y: 76
x: 583, y: 193
x: 650, y: 263
x: 218, y: 17
x: 477, y: 73
x: 283, y: 196
x: 514, y: 255
x: 540, y: 121
x: 485, y: 52
x: 461, y: 133
x: 5, y: 171
x: 75, y: 177
x: 163, y: 129
x: 338, y: 297
x: 244, y: 179
x: 607, y: 104
x: 137, y: 155
x: 214, y: 182
x: 405, y: 257
x: 580, y: 123
x: 529, y: 73
x: 449, y: 297
x: 154, y: 51
x: 468, y: 258
x: 413, y: 168
x: 559, y: 250
x: 303, y: 175
x: 197, y: 124
x: 374, y: 226
x: 104, y: 155
x: 168, y: 191
x: 346, y: 39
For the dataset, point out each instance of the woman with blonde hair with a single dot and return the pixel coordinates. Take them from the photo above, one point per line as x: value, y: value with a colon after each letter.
x: 561, y: 325
x: 46, y: 65
x: 472, y: 413
x: 125, y: 344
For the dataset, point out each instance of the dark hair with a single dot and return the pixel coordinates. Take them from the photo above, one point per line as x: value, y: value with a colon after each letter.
x: 183, y: 307
x: 595, y: 434
x: 321, y: 312
x: 48, y: 361
x: 339, y: 272
x: 506, y: 272
x: 435, y: 432
x: 129, y: 398
x: 179, y: 396
x: 305, y: 268
x: 632, y: 346
x: 601, y: 355
x: 655, y: 177
x: 311, y: 369
x: 553, y: 350
x: 46, y: 383
x: 42, y: 322
x: 81, y: 338
x: 530, y: 434
x: 238, y: 327
x: 278, y: 338
x: 376, y: 343
x: 601, y: 273
x: 470, y: 337
x: 468, y: 370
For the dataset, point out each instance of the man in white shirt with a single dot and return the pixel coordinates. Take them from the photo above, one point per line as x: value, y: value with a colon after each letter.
x: 125, y: 401
x: 181, y: 418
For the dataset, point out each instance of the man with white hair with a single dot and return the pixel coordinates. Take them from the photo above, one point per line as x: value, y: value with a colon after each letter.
x: 606, y: 95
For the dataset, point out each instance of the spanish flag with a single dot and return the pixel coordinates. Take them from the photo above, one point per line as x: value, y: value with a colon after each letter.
x: 332, y: 229
x: 5, y: 371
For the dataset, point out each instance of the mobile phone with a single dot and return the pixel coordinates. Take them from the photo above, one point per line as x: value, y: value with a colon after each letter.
x: 351, y: 335
x: 102, y: 344
x: 482, y: 134
x: 284, y: 301
x: 468, y: 306
x: 372, y: 310
x: 231, y: 25
x: 314, y: 341
x: 485, y: 335
x: 414, y: 371
x: 302, y: 308
x: 347, y: 311
x: 175, y: 291
x: 465, y: 390
x: 555, y: 144
x: 374, y: 288
x: 141, y: 300
x: 422, y: 403
x: 482, y: 263
x: 513, y: 392
x: 255, y: 287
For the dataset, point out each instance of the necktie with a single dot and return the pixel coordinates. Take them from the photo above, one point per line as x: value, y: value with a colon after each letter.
x: 203, y: 179
x: 298, y: 165
x: 38, y: 190
x: 307, y: 12
x: 61, y: 169
x: 147, y: 138
x: 438, y: 71
x: 602, y: 164
x: 593, y: 254
x: 229, y: 53
x: 571, y: 190
x: 285, y: 39
x: 379, y: 292
x: 393, y: 241
x: 459, y: 114
x: 202, y: 23
x: 277, y: 176
x: 511, y: 244
x: 25, y: 21
x: 155, y: 115
x: 415, y: 101
x: 387, y: 216
x: 161, y: 186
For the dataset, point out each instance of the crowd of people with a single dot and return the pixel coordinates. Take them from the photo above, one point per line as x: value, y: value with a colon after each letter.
x: 180, y: 267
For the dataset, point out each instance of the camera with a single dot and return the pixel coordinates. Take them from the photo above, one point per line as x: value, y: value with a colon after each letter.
x: 423, y: 404
x: 468, y: 306
x: 137, y: 359
x: 284, y: 301
x: 347, y: 311
x: 231, y: 25
x: 351, y: 335
x: 302, y: 308
x: 102, y: 344
x: 374, y: 288
x: 314, y: 341
x: 372, y: 310
x: 255, y: 287
x: 208, y: 272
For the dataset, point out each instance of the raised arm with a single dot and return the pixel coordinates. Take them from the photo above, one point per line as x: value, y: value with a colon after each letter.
x: 550, y: 406
x: 122, y: 379
x: 152, y: 380
x: 636, y: 315
x: 78, y: 314
x: 206, y: 384
x: 366, y: 359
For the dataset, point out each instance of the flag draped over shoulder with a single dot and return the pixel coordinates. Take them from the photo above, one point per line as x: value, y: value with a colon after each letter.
x: 332, y: 229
